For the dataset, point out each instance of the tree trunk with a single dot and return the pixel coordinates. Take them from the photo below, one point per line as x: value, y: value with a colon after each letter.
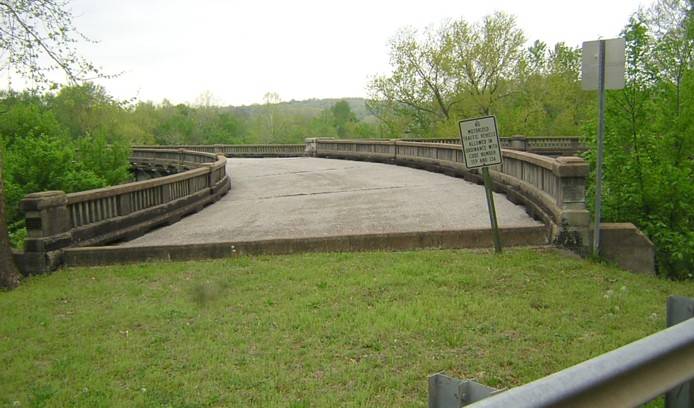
x: 9, y: 275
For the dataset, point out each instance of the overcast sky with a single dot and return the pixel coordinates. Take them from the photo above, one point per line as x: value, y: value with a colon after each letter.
x: 300, y: 49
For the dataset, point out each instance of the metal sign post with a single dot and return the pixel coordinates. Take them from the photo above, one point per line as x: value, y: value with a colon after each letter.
x: 601, y: 148
x: 609, y: 55
x: 482, y: 149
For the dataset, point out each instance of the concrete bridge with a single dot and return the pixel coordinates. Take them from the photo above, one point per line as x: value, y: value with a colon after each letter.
x: 284, y: 198
x: 308, y: 201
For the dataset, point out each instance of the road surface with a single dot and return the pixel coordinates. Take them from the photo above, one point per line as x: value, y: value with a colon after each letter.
x: 312, y: 197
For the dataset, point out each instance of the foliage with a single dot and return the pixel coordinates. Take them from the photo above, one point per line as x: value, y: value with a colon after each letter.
x: 43, y: 151
x: 363, y: 329
x: 548, y: 99
x: 460, y: 70
x: 38, y: 39
x: 649, y: 140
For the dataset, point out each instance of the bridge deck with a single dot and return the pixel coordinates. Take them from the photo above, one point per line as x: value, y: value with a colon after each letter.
x: 310, y: 197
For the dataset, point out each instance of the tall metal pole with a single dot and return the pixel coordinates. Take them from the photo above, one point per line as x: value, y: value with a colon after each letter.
x: 601, y: 152
x: 492, y: 209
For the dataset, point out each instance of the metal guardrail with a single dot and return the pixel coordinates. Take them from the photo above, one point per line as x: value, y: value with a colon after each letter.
x: 626, y: 377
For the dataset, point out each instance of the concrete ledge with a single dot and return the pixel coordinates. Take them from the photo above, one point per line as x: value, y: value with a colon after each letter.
x: 625, y: 245
x: 262, y: 155
x: 477, y: 238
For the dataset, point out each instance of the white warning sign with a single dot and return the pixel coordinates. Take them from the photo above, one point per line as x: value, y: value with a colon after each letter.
x: 481, y: 147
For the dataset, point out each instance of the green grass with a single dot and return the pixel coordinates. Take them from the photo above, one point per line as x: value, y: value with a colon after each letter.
x: 361, y: 329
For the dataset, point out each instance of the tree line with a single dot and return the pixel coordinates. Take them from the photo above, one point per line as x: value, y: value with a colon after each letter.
x: 459, y: 69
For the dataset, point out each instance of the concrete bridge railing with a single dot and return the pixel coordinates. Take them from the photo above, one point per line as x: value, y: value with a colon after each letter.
x: 550, y: 145
x: 55, y: 220
x: 545, y: 145
x: 247, y: 151
x: 553, y: 189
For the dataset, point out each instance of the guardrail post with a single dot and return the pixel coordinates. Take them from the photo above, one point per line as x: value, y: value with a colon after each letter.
x: 48, y: 231
x: 574, y: 219
x: 449, y: 392
x: 679, y: 309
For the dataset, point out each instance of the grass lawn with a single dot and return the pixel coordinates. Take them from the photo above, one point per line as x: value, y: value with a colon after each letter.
x: 363, y: 329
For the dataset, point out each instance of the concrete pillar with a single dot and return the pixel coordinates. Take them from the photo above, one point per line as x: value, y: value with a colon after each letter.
x: 519, y: 143
x: 311, y: 149
x: 574, y: 218
x: 48, y: 230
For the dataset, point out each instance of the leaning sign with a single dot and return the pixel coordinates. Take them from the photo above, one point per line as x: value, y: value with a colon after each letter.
x: 481, y: 147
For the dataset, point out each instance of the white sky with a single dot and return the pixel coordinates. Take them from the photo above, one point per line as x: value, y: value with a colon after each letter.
x: 300, y: 49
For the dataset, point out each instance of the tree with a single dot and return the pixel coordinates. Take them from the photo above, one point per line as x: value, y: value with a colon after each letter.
x: 547, y: 98
x: 451, y: 71
x: 649, y: 140
x: 342, y: 117
x: 38, y: 38
x: 421, y: 86
x: 486, y: 58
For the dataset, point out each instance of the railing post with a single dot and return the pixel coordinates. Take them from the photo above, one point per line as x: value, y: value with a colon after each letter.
x: 574, y: 219
x: 311, y: 149
x: 519, y: 143
x: 48, y: 230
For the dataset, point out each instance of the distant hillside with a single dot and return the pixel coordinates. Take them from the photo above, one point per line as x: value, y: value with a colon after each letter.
x: 309, y: 107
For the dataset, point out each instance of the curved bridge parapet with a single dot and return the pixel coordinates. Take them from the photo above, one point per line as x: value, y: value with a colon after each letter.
x: 56, y: 220
x: 544, y: 145
x: 552, y: 189
x: 244, y: 151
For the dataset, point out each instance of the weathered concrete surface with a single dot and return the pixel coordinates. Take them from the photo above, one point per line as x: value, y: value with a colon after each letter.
x: 628, y: 247
x: 311, y: 197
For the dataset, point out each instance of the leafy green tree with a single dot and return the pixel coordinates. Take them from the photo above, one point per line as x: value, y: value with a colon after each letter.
x: 448, y: 72
x: 548, y: 99
x: 649, y: 142
x: 486, y: 57
x: 422, y: 87
x: 38, y: 38
x: 342, y: 116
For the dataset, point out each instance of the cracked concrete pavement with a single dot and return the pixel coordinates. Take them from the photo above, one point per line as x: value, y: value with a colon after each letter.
x: 311, y: 197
